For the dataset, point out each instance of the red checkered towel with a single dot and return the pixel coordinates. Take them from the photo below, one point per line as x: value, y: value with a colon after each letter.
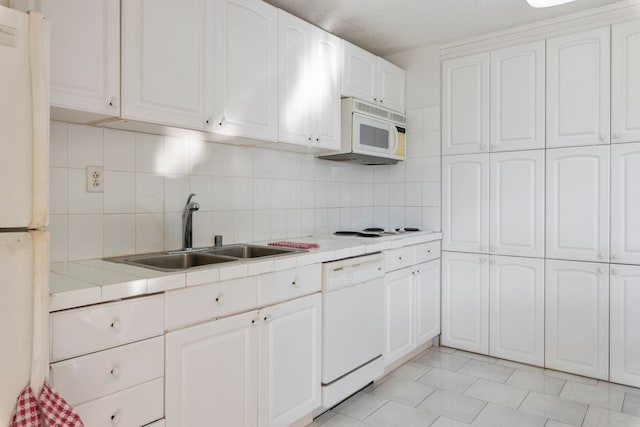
x: 56, y: 411
x: 27, y: 413
x: 295, y: 245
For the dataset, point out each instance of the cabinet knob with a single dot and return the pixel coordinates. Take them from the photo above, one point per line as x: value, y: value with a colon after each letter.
x: 381, y: 101
x: 115, y: 325
x: 417, y: 271
x: 492, y: 262
x: 220, y: 299
x: 309, y: 138
x: 267, y: 318
x: 209, y: 120
x: 481, y: 147
x: 295, y: 283
x: 317, y: 139
x: 600, y: 270
x: 375, y: 99
x: 616, y: 135
x: 601, y: 137
x: 221, y: 121
x: 111, y: 102
x: 428, y: 251
x: 116, y: 418
x: 115, y: 372
x: 400, y: 258
x: 483, y: 260
x: 614, y: 272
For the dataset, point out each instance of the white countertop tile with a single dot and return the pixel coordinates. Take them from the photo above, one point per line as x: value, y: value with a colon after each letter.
x: 69, y: 292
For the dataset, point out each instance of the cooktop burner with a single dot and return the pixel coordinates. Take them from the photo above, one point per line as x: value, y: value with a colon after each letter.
x: 375, y: 232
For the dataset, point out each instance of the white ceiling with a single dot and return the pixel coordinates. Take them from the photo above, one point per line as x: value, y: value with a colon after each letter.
x: 385, y: 27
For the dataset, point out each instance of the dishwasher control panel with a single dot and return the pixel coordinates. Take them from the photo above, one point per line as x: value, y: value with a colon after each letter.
x: 351, y: 271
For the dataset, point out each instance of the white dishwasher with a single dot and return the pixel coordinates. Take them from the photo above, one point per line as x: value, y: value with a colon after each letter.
x: 352, y: 325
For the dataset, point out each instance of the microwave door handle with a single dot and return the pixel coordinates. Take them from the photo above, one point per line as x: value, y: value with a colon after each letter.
x: 395, y: 139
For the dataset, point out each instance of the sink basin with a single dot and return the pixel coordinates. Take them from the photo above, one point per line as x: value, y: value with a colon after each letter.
x: 250, y: 251
x: 172, y: 261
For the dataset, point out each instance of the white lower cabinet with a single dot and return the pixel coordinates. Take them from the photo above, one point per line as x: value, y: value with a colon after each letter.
x: 427, y: 295
x: 625, y: 321
x: 465, y: 301
x: 398, y: 314
x: 577, y: 318
x: 516, y: 309
x: 257, y: 368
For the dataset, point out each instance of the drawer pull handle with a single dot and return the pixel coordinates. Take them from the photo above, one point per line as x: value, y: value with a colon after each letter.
x: 115, y: 325
x: 115, y: 372
x: 116, y: 418
x: 220, y: 299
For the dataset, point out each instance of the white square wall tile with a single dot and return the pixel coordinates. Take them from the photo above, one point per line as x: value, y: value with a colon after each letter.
x: 261, y: 163
x: 396, y: 217
x: 333, y: 219
x: 224, y: 225
x: 85, y: 236
x: 202, y: 186
x: 149, y: 193
x: 294, y: 198
x: 244, y: 226
x: 176, y: 193
x: 279, y: 195
x: 59, y: 238
x: 85, y: 145
x: 58, y: 144
x: 149, y: 153
x: 261, y: 193
x: 431, y: 218
x: 431, y: 194
x: 119, y: 150
x: 381, y: 174
x: 432, y: 118
x: 307, y: 220
x: 432, y: 143
x: 397, y: 172
x: 261, y: 225
x: 81, y: 201
x: 321, y: 221
x: 380, y: 195
x: 200, y: 158
x: 223, y: 193
x: 293, y: 163
x: 172, y: 230
x: 243, y: 193
x: 307, y: 194
x: 58, y: 190
x: 346, y: 219
x: 396, y: 194
x: 413, y: 194
x: 222, y: 160
x: 119, y: 192
x: 432, y: 168
x: 415, y: 170
x: 149, y: 232
x: 202, y: 229
x: 294, y: 223
x: 119, y: 234
x: 243, y: 162
x: 175, y: 155
x: 278, y: 224
x: 413, y: 217
x: 381, y: 217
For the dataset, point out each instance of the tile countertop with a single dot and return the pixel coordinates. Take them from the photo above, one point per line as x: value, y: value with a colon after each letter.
x: 78, y: 283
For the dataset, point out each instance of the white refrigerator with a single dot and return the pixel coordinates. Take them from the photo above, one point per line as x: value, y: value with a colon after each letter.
x: 24, y: 197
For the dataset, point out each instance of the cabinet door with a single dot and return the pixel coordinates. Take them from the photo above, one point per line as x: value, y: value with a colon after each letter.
x: 325, y: 78
x: 359, y: 73
x: 625, y: 82
x: 465, y: 302
x: 85, y: 55
x: 211, y: 370
x: 167, y: 53
x: 246, y: 69
x: 399, y: 315
x: 517, y: 203
x: 578, y: 203
x: 465, y: 203
x: 517, y: 97
x: 625, y: 318
x: 290, y: 354
x: 465, y: 104
x: 427, y: 301
x: 516, y: 315
x: 625, y: 203
x: 295, y: 83
x: 578, y: 89
x: 577, y: 318
x: 391, y: 92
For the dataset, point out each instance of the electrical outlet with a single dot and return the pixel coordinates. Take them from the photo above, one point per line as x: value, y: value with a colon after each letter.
x: 95, y: 179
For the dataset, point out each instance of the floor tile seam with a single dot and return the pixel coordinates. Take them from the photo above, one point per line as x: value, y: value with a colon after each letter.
x: 486, y: 403
x: 427, y: 396
x: 593, y: 404
x: 376, y: 410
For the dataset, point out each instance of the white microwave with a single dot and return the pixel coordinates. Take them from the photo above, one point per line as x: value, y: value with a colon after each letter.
x: 371, y: 135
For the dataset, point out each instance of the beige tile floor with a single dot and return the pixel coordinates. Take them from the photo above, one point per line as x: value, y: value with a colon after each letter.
x: 443, y: 387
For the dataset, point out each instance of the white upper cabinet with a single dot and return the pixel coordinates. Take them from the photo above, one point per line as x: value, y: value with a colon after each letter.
x: 625, y: 203
x: 516, y: 315
x: 167, y: 62
x: 578, y: 89
x: 625, y: 82
x: 578, y: 203
x: 309, y: 100
x: 517, y: 203
x: 577, y: 318
x: 465, y: 302
x: 85, y: 57
x: 465, y: 104
x: 625, y: 318
x: 517, y: 97
x: 373, y: 79
x: 391, y: 92
x: 246, y: 69
x: 465, y: 203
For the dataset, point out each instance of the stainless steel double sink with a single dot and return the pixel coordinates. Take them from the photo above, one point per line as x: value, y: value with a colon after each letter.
x: 186, y: 259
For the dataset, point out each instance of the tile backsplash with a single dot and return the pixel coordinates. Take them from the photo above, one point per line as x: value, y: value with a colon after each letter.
x: 245, y: 193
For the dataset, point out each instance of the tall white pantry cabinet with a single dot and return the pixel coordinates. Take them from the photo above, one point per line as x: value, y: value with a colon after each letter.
x: 541, y: 202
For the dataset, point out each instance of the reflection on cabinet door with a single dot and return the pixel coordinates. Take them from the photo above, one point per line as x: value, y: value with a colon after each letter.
x: 326, y: 90
x: 578, y: 203
x: 577, y: 318
x: 625, y: 203
x: 625, y: 82
x: 517, y: 97
x: 578, y: 89
x: 517, y: 203
x: 465, y: 104
x: 625, y: 318
x: 465, y: 302
x: 516, y: 309
x: 465, y: 203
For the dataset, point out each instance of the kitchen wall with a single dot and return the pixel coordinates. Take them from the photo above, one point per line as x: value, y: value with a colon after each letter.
x: 245, y: 193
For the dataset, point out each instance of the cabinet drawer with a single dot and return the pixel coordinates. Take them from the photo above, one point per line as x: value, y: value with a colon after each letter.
x: 287, y: 284
x: 193, y: 305
x: 396, y: 259
x: 85, y: 330
x: 133, y: 407
x: 427, y: 251
x: 96, y: 375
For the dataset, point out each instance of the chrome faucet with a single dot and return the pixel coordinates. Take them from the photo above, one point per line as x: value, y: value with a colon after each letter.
x: 187, y: 222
